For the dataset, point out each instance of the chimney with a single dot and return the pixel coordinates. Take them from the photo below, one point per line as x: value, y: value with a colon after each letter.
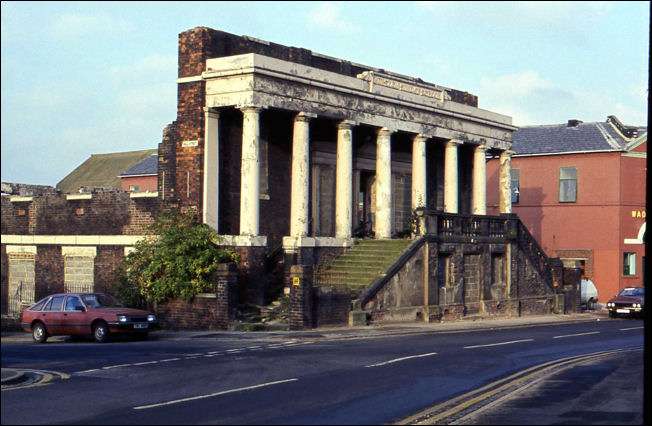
x: 574, y: 123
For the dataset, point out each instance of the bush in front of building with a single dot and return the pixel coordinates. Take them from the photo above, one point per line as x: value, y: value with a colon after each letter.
x: 178, y: 259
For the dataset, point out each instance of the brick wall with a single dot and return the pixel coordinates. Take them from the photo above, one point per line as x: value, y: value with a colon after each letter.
x: 200, y: 314
x: 332, y: 305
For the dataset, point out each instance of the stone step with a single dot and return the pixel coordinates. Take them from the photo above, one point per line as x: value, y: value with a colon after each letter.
x: 360, y: 265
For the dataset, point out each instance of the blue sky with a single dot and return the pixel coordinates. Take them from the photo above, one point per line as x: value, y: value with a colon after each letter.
x: 92, y: 78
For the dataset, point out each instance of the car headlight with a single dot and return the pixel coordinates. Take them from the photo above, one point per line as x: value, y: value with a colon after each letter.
x: 151, y: 318
x: 637, y: 305
x: 122, y: 318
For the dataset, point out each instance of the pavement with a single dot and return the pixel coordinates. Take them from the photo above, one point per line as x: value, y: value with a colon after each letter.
x: 12, y: 376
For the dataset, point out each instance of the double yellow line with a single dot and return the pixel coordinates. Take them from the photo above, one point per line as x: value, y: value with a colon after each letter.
x: 454, y: 408
x: 43, y: 378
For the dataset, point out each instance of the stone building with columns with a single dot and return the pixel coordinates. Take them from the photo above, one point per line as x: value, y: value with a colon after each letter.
x: 291, y: 155
x: 361, y: 190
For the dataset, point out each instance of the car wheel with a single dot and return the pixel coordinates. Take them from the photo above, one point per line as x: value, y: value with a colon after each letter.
x: 101, y: 332
x: 590, y: 305
x: 39, y: 332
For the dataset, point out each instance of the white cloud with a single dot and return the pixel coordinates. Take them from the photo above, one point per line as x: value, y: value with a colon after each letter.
x: 326, y: 15
x: 71, y: 25
x: 531, y: 99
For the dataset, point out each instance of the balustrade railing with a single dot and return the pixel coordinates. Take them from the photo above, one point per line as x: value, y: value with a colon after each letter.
x: 448, y: 227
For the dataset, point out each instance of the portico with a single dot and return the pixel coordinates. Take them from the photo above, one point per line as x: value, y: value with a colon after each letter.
x: 396, y: 117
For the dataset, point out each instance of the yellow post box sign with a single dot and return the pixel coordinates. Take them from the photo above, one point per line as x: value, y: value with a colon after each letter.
x: 296, y: 281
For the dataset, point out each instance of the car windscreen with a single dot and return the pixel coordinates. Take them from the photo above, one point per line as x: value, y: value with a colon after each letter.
x: 632, y: 292
x: 101, y: 301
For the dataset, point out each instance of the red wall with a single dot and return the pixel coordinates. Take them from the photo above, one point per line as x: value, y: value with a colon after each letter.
x: 144, y: 183
x: 610, y: 186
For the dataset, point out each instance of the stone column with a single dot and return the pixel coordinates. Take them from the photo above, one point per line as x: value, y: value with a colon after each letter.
x: 451, y: 195
x: 250, y: 172
x: 479, y: 181
x: 300, y: 176
x: 210, y: 211
x: 419, y: 171
x: 384, y: 184
x: 343, y: 180
x: 505, y: 182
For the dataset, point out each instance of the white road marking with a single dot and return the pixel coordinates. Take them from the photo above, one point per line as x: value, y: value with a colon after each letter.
x: 143, y: 407
x: 170, y: 359
x: 498, y: 344
x: 145, y: 363
x: 115, y: 366
x: 378, y: 364
x: 631, y: 328
x: 578, y: 334
x: 87, y: 371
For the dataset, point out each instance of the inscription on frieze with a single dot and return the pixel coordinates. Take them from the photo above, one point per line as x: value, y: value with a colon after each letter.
x: 399, y: 84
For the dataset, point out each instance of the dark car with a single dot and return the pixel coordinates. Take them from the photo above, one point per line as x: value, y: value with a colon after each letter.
x: 79, y: 314
x: 630, y: 301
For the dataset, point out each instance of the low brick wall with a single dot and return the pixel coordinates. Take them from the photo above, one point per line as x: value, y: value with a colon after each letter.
x: 332, y: 305
x: 201, y: 313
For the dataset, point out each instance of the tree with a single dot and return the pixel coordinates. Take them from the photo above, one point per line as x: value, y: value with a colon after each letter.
x: 178, y: 259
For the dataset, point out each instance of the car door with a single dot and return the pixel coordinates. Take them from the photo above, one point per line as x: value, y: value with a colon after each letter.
x: 52, y: 315
x: 74, y: 320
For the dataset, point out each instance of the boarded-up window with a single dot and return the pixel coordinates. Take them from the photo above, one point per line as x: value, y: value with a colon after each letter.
x: 79, y: 274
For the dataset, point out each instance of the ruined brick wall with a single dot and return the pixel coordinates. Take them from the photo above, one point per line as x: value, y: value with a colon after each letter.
x: 106, y: 213
x: 167, y: 155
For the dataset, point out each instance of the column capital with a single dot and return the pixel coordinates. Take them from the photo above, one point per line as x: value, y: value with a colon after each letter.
x: 251, y: 109
x: 385, y: 131
x: 480, y: 148
x: 420, y: 137
x: 454, y: 142
x: 304, y: 116
x: 507, y: 152
x: 346, y: 124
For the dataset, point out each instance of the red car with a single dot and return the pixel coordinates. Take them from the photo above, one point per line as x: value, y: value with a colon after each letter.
x: 78, y: 314
x: 630, y: 301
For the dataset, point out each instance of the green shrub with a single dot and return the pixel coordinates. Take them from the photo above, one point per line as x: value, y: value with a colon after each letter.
x: 178, y: 259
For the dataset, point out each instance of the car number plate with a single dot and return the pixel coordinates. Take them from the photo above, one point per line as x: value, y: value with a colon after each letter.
x: 622, y: 311
x: 139, y: 325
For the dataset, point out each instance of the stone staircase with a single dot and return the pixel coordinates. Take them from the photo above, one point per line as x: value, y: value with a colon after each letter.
x: 360, y: 265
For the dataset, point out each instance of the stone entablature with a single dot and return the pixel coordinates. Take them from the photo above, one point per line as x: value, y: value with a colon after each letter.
x: 253, y: 79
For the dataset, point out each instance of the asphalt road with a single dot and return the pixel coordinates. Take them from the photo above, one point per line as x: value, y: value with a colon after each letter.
x: 276, y: 381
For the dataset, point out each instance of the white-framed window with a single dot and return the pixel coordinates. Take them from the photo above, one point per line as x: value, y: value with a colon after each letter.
x: 629, y: 264
x: 568, y: 184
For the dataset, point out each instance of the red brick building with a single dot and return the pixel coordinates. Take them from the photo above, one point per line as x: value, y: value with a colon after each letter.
x: 141, y: 177
x: 580, y: 190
